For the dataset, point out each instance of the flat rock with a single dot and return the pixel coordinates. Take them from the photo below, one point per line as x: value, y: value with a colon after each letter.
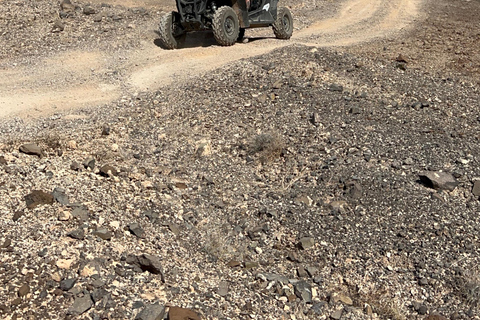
x: 78, y: 234
x: 476, y: 188
x: 38, y: 197
x: 439, y: 180
x: 80, y: 305
x: 136, y: 229
x: 67, y: 284
x: 303, y: 290
x: 60, y: 196
x: 31, y: 149
x: 81, y: 213
x: 337, y: 314
x: 177, y: 313
x: 151, y: 312
x: 103, y: 233
x: 306, y: 243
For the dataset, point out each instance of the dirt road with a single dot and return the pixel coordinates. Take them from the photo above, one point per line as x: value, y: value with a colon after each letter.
x: 70, y: 80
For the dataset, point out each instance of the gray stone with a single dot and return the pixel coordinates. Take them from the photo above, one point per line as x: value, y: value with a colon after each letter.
x: 318, y: 308
x: 78, y: 234
x: 303, y: 290
x: 151, y: 312
x: 58, y: 26
x: 476, y: 188
x: 99, y: 294
x: 88, y: 10
x: 439, y: 180
x: 31, y: 149
x: 136, y: 230
x: 335, y: 87
x: 306, y: 242
x: 60, y: 196
x: 80, y: 305
x: 3, y: 160
x: 103, y: 233
x: 67, y: 284
x: 81, y: 213
x: 337, y: 314
x: 223, y: 288
x: 89, y: 163
x: 422, y: 309
x: 312, y: 271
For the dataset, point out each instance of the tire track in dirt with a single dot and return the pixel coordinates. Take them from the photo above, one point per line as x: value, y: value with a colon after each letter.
x: 152, y: 67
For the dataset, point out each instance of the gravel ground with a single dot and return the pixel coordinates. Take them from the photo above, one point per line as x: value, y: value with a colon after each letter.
x: 307, y: 183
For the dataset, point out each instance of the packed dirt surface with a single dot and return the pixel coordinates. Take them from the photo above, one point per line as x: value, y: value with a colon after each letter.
x: 74, y: 77
x: 332, y: 176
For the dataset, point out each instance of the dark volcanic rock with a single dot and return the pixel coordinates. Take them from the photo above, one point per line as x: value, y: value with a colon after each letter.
x: 103, y: 233
x: 439, y: 180
x: 67, y: 284
x: 60, y: 196
x: 136, y: 230
x: 151, y: 312
x: 108, y: 171
x: 146, y: 262
x: 38, y: 197
x: 31, y: 149
x: 81, y: 305
x: 78, y: 234
x: 303, y: 290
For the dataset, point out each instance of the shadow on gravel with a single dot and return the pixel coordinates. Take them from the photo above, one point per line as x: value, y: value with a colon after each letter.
x: 201, y: 39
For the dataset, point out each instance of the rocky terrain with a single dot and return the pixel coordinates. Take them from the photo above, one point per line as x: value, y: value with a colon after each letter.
x: 305, y: 183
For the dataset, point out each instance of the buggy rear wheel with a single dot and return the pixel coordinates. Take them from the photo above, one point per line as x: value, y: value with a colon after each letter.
x: 226, y: 27
x: 172, y: 33
x: 283, y: 26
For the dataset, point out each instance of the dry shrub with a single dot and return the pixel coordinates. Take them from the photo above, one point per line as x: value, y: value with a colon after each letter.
x: 470, y: 288
x: 268, y: 147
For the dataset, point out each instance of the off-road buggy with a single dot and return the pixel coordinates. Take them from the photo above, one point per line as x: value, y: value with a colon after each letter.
x: 228, y: 20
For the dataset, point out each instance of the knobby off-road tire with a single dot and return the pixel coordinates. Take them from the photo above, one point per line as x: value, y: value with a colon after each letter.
x: 172, y: 34
x: 226, y: 27
x: 283, y: 26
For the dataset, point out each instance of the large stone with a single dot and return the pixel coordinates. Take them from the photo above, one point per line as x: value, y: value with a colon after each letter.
x: 60, y: 196
x: 151, y: 312
x: 306, y: 242
x: 38, y: 197
x: 136, y: 230
x: 476, y: 188
x: 303, y: 290
x: 80, y: 305
x: 78, y: 234
x: 177, y: 313
x: 147, y: 262
x: 31, y: 149
x: 103, y: 233
x: 439, y: 180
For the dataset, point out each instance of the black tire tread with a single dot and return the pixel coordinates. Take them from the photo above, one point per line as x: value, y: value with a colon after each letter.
x: 217, y: 26
x: 165, y: 29
x: 278, y: 28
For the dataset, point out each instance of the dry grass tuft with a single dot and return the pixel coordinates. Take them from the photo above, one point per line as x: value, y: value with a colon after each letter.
x: 268, y: 147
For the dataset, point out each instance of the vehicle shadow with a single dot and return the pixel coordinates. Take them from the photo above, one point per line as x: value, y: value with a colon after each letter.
x: 198, y: 39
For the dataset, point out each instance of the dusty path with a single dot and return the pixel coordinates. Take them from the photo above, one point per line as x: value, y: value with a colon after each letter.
x: 43, y: 91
